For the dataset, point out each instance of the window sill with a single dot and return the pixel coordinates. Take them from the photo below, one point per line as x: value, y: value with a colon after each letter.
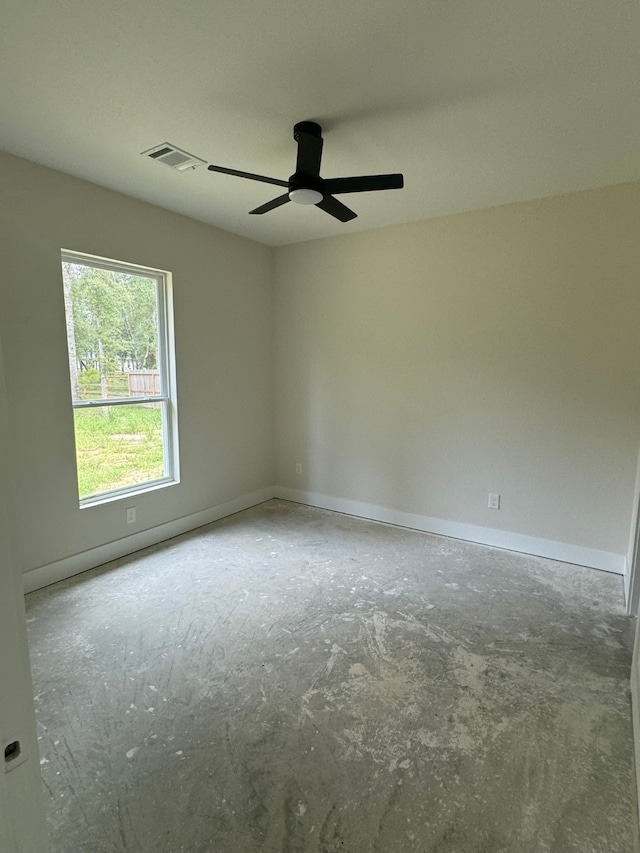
x: 129, y: 492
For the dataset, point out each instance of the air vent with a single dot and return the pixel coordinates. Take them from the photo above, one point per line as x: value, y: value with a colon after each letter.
x: 173, y: 157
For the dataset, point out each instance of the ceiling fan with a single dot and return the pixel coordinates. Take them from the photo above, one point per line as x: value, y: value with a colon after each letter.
x: 306, y: 186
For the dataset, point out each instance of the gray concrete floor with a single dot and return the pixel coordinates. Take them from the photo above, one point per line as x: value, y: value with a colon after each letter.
x: 295, y: 680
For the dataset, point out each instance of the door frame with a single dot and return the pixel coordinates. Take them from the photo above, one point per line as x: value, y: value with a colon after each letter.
x: 22, y: 814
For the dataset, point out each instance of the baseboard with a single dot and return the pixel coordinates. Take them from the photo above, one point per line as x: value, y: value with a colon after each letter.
x: 627, y: 590
x: 77, y: 563
x: 562, y: 551
x: 566, y: 553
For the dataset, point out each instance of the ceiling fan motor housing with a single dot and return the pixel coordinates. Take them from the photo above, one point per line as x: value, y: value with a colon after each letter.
x: 300, y: 181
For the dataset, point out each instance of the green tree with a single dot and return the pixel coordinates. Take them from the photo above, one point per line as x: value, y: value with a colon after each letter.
x: 113, y: 325
x: 67, y: 278
x: 140, y: 324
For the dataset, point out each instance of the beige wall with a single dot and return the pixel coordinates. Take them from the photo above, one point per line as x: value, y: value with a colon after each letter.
x: 222, y: 305
x: 420, y: 367
x: 417, y: 367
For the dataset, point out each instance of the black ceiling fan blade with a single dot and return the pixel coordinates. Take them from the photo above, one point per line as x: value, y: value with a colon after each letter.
x: 271, y: 205
x: 364, y: 183
x: 249, y: 175
x: 336, y: 208
x: 309, y: 154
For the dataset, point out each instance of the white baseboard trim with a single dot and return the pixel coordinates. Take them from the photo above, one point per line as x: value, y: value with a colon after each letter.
x: 627, y: 588
x: 590, y: 557
x: 77, y: 563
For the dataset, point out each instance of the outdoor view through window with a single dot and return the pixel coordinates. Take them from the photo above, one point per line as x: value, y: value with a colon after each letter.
x: 120, y: 384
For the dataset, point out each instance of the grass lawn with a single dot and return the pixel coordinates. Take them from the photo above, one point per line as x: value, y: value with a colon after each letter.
x: 118, y: 446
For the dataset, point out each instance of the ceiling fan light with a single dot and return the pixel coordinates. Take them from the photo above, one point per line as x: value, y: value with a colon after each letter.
x: 302, y: 196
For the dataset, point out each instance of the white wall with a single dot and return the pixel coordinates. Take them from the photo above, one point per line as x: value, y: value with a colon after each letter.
x: 222, y: 304
x: 632, y: 578
x: 22, y: 824
x: 420, y: 367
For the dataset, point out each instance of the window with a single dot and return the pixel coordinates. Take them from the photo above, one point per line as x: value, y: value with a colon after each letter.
x: 120, y: 345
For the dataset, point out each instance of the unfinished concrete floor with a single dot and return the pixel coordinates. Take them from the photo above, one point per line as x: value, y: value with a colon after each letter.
x: 290, y: 680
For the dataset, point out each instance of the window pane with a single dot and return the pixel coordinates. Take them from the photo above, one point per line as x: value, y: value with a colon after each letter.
x: 112, y: 332
x: 120, y: 348
x: 118, y: 446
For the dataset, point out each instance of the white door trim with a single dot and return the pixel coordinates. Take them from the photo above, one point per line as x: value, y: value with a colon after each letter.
x: 22, y: 816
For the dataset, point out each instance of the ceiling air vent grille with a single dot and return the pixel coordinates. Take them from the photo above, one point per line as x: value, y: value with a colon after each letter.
x: 173, y: 157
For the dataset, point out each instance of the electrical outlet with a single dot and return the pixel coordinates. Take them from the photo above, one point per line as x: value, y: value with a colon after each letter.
x: 298, y: 467
x: 14, y: 755
x: 12, y: 751
x: 131, y: 514
x: 494, y: 501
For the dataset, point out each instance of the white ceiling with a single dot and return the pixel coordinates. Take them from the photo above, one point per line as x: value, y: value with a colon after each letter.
x: 477, y: 102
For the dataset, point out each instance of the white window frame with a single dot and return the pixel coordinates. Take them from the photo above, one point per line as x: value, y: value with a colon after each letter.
x: 167, y: 376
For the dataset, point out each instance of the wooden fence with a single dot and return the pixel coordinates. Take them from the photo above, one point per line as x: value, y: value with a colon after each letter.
x: 137, y: 383
x: 143, y: 383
